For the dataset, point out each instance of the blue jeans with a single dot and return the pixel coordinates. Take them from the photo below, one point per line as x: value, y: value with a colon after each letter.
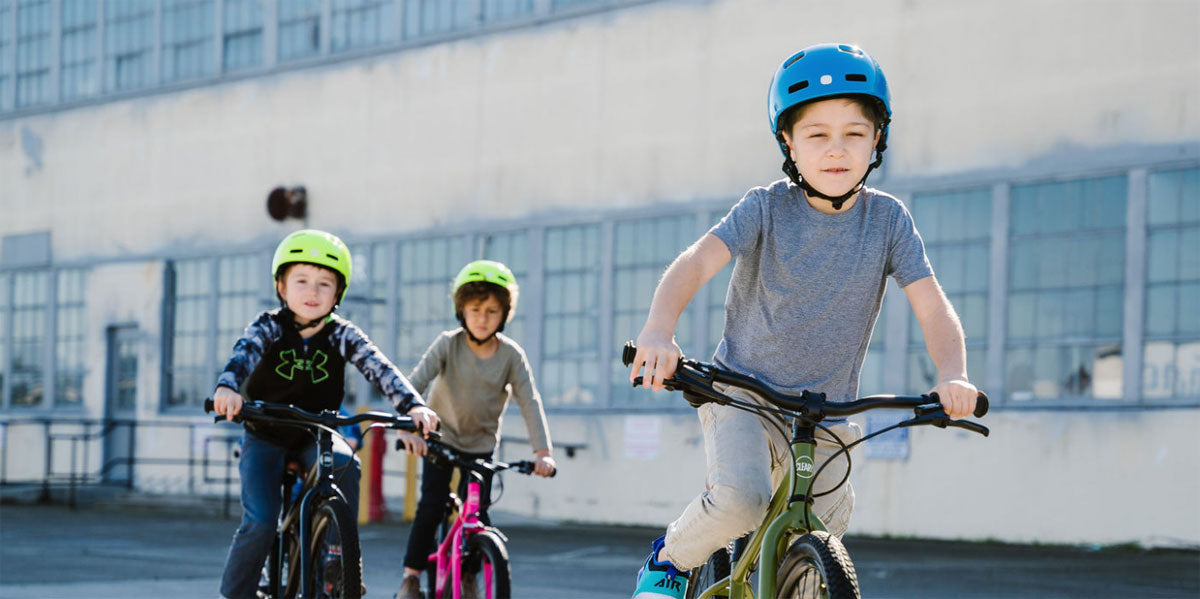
x: 261, y: 468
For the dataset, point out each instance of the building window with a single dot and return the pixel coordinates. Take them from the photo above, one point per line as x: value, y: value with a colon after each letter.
x: 642, y: 249
x: 80, y: 76
x: 128, y: 44
x: 299, y: 29
x: 1171, y: 366
x: 956, y: 229
x: 242, y: 281
x: 361, y: 23
x: 431, y: 17
x: 242, y: 27
x: 4, y: 295
x: 426, y: 272
x: 33, y: 52
x: 1066, y: 293
x: 191, y: 373
x: 366, y: 305
x: 30, y: 306
x: 570, y: 361
x: 187, y: 39
x: 503, y: 10
x: 511, y: 249
x: 6, y: 63
x: 70, y: 334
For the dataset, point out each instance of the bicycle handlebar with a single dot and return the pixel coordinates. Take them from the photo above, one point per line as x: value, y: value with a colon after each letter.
x: 257, y: 410
x: 479, y: 465
x: 695, y: 379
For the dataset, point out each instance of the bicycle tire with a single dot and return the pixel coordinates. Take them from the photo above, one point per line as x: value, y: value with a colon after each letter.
x: 708, y: 573
x: 817, y: 566
x: 335, y: 555
x: 487, y: 560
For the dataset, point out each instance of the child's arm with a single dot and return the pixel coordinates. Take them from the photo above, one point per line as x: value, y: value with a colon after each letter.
x: 945, y: 344
x: 525, y: 393
x: 247, y: 353
x: 358, y: 350
x: 656, y: 347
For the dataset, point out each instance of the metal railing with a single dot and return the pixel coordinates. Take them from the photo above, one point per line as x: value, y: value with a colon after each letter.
x: 79, y: 437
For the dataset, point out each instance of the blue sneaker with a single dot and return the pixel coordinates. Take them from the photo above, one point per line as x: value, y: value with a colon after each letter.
x: 660, y: 580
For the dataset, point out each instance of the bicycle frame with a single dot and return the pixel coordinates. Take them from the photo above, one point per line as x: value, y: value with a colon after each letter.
x: 790, y: 508
x: 323, y: 487
x: 447, y: 559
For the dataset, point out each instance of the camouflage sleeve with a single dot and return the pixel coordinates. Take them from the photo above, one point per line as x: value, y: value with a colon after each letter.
x: 248, y: 351
x: 358, y: 350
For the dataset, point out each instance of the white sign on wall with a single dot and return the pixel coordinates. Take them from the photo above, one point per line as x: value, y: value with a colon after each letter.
x: 643, y: 437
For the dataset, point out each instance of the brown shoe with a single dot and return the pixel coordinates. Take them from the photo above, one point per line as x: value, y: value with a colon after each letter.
x: 410, y: 588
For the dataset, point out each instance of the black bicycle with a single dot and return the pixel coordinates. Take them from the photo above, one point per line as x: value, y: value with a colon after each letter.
x: 792, y: 553
x: 317, y: 526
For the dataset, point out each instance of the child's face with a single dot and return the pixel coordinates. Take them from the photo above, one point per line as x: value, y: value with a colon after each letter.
x: 308, y: 290
x: 831, y: 144
x: 483, y: 316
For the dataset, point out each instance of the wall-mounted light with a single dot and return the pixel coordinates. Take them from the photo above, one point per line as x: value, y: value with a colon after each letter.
x: 283, y: 203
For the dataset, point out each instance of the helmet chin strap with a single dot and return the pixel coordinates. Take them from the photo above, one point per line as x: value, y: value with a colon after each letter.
x: 300, y: 327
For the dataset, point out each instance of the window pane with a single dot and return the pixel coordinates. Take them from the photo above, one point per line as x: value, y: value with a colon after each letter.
x: 187, y: 39
x: 361, y: 23
x: 128, y: 44
x: 79, y: 49
x: 642, y: 250
x: 30, y: 307
x: 1066, y: 278
x: 570, y: 370
x: 4, y: 294
x: 70, y: 333
x: 33, y: 52
x: 299, y: 29
x: 243, y: 34
x: 191, y: 378
x: 427, y: 269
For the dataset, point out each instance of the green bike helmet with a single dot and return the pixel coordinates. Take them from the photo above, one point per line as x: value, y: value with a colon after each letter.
x: 311, y: 246
x: 486, y: 271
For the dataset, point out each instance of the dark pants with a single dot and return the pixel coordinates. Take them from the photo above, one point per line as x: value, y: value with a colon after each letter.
x: 434, y: 507
x: 261, y: 468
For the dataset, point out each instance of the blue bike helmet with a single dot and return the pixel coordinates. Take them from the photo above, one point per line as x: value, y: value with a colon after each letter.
x: 821, y: 72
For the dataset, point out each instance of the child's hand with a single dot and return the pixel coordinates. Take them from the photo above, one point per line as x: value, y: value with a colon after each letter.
x: 413, y: 443
x: 958, y: 397
x: 425, y: 419
x: 227, y: 401
x: 544, y: 464
x: 656, y: 349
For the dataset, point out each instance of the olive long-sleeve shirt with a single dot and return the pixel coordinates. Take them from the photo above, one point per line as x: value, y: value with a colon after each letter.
x: 470, y: 394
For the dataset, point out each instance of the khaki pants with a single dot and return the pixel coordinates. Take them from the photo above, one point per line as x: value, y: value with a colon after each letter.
x: 747, y: 458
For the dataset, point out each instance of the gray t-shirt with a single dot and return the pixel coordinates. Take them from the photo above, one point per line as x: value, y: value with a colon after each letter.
x: 807, y: 286
x: 470, y: 394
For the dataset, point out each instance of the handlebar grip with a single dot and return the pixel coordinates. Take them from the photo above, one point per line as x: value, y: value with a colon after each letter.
x: 981, y: 405
x: 628, y: 353
x: 208, y: 405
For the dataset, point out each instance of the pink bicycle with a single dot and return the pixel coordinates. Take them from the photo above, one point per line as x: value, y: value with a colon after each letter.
x: 470, y: 552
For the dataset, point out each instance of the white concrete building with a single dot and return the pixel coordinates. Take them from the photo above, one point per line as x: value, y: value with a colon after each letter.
x: 1050, y: 152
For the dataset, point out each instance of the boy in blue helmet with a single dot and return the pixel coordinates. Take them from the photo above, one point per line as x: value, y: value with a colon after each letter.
x: 813, y: 253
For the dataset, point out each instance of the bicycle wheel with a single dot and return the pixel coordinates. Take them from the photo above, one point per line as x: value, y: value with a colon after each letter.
x: 335, y: 554
x: 485, y: 565
x: 716, y: 568
x: 817, y: 566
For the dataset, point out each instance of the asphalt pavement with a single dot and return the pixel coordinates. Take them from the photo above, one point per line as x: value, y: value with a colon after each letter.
x: 121, y: 552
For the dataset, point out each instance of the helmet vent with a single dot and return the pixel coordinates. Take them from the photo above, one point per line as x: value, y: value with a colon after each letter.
x: 795, y: 87
x: 332, y: 257
x: 791, y: 61
x: 856, y: 77
x: 296, y: 251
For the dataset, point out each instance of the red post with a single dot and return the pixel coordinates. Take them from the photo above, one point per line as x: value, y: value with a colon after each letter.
x: 377, y: 447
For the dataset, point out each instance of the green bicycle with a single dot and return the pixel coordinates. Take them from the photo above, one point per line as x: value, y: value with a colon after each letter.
x: 791, y: 552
